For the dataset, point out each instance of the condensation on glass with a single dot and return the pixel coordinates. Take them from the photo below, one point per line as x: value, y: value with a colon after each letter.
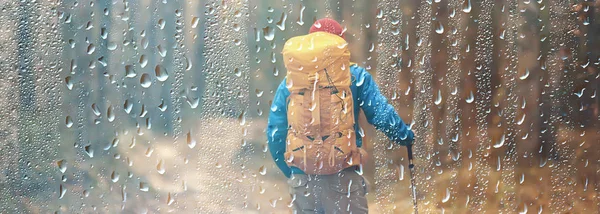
x: 161, y: 106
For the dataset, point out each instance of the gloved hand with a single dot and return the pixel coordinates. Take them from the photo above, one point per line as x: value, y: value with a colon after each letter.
x: 405, y: 142
x: 410, y: 137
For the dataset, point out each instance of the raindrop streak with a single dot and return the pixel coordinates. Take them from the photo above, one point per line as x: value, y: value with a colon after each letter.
x: 109, y: 114
x: 188, y: 63
x: 195, y: 21
x: 62, y: 190
x: 281, y: 23
x: 447, y: 197
x: 438, y: 100
x: 170, y: 199
x: 500, y: 143
x: 190, y: 141
x: 300, y: 20
x: 242, y: 118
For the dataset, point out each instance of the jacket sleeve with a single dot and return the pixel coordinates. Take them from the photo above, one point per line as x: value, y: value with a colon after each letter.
x: 379, y: 112
x: 277, y: 128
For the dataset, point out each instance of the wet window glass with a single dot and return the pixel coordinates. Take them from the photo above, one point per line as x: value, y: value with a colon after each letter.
x: 200, y: 106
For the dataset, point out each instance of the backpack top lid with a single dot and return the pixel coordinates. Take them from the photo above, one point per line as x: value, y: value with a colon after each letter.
x: 307, y: 56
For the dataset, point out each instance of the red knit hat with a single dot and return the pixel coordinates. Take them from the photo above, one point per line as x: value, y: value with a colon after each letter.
x: 327, y: 25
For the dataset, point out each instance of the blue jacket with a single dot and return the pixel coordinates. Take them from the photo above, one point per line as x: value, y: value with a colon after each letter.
x: 366, y: 95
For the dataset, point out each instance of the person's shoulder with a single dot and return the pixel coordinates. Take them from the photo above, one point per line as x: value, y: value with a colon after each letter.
x: 358, y: 71
x: 282, y: 87
x: 359, y: 75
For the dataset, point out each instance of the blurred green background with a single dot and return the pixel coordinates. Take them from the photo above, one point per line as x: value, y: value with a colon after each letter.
x: 160, y: 106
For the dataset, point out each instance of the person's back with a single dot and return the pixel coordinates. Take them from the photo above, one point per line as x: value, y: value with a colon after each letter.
x: 312, y: 124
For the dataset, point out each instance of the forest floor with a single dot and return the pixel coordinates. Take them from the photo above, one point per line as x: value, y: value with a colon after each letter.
x: 222, y: 173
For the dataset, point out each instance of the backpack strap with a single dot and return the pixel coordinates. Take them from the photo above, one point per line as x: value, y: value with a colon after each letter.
x: 314, y: 100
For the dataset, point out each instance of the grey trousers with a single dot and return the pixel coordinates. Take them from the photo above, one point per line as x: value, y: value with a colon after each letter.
x: 343, y: 192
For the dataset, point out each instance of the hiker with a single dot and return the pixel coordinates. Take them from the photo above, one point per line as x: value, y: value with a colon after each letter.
x: 313, y: 123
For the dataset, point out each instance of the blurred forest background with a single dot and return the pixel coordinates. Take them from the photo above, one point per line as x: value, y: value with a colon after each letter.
x: 160, y: 106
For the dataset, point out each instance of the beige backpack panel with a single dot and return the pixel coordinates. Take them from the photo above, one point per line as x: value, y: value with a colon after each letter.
x: 321, y: 138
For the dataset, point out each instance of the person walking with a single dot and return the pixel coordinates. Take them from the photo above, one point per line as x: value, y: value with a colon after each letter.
x: 312, y: 126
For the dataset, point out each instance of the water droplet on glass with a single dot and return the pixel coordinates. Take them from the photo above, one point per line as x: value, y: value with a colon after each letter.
x: 281, y: 23
x: 500, y: 142
x: 144, y: 187
x: 162, y: 107
x: 62, y: 166
x: 89, y: 151
x: 447, y: 196
x: 127, y: 106
x: 258, y: 92
x: 143, y: 61
x: 91, y: 48
x: 69, y: 122
x: 95, y: 109
x: 439, y: 29
x: 103, y: 33
x: 62, y: 190
x: 525, y: 75
x: 111, y: 46
x: 162, y: 51
x: 262, y: 170
x: 193, y: 101
x: 145, y: 80
x: 170, y: 199
x: 129, y: 71
x: 190, y: 140
x: 188, y: 63
x: 161, y: 73
x: 160, y: 167
x: 195, y: 21
x: 69, y: 82
x: 114, y: 177
x: 300, y: 20
x: 161, y: 23
x: 269, y: 33
x: 471, y: 98
x: 438, y: 100
x: 110, y: 114
x: 467, y: 6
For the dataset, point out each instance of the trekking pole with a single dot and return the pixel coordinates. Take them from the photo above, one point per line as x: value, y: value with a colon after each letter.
x: 411, y: 168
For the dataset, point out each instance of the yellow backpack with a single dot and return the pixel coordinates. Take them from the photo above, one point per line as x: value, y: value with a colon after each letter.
x: 320, y: 110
